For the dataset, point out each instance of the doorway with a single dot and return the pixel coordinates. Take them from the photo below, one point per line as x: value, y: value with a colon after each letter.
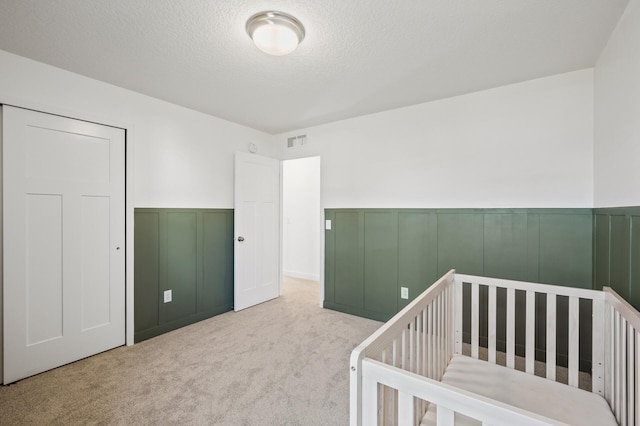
x: 301, y: 222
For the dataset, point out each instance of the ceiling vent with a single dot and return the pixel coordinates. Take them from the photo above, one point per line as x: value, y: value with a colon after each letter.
x: 296, y: 141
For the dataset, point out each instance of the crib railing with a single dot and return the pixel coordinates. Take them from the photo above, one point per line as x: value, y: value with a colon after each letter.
x: 622, y: 358
x: 396, y: 372
x: 419, y: 339
x: 528, y: 311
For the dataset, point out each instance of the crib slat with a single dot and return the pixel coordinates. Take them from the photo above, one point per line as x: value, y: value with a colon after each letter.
x: 620, y: 351
x: 403, y: 350
x: 458, y: 315
x: 412, y: 346
x: 616, y: 364
x: 475, y: 326
x: 445, y: 416
x: 385, y: 401
x: 609, y: 355
x: 623, y: 365
x: 394, y: 353
x: 441, y: 360
x: 418, y: 343
x: 390, y: 411
x: 530, y: 342
x: 630, y: 373
x: 574, y: 339
x: 449, y: 315
x: 551, y: 336
x: 405, y: 409
x: 436, y: 331
x: 637, y: 361
x: 432, y: 342
x: 492, y: 324
x: 425, y: 336
x: 511, y: 327
x: 369, y: 401
x: 598, y: 327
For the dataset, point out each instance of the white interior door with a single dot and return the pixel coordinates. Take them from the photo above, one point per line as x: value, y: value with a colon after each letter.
x: 257, y: 230
x: 64, y: 236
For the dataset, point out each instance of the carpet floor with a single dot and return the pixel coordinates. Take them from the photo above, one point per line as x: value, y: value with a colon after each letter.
x: 283, y: 362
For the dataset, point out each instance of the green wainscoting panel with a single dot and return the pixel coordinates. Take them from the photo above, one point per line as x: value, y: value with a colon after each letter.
x: 417, y: 252
x: 147, y: 269
x: 216, y: 261
x: 330, y: 261
x: 619, y: 238
x: 187, y: 251
x: 180, y: 252
x: 634, y: 259
x: 506, y: 245
x: 566, y: 255
x: 533, y: 248
x: 349, y: 259
x: 381, y: 263
x: 461, y: 242
x: 601, y: 250
x: 617, y: 251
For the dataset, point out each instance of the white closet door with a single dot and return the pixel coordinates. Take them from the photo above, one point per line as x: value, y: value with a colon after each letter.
x: 64, y: 240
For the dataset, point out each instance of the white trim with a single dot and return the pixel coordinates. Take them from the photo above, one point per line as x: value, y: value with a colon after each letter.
x: 301, y: 275
x: 129, y: 185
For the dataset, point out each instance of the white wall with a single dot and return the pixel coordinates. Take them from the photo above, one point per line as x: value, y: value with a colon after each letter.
x: 301, y: 216
x: 523, y: 145
x: 183, y: 158
x: 617, y: 115
x: 176, y: 157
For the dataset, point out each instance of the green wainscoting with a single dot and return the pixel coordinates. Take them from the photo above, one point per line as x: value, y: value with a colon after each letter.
x: 617, y: 251
x: 188, y: 251
x: 371, y: 253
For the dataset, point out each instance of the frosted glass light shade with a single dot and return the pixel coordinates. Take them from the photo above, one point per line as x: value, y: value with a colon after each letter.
x: 275, y: 33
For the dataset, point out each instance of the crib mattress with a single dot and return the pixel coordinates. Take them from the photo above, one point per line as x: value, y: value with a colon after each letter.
x: 550, y: 399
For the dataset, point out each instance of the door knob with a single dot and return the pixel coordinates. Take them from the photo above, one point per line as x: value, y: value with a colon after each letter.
x: 241, y: 239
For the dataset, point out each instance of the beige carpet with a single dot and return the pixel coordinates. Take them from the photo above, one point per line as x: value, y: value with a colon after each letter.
x: 284, y: 362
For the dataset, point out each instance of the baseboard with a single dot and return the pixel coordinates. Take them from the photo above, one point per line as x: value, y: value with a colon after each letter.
x: 357, y: 311
x: 301, y: 275
x: 141, y: 335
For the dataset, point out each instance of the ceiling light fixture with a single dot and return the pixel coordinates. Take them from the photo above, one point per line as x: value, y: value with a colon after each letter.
x: 275, y: 33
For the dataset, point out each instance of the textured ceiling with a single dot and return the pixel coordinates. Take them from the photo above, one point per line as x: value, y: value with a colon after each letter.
x: 358, y: 57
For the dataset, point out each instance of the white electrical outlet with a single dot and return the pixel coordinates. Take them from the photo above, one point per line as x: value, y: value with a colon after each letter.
x: 167, y: 296
x: 404, y: 292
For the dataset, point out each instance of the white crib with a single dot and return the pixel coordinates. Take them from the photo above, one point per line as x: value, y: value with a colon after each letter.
x: 416, y: 369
